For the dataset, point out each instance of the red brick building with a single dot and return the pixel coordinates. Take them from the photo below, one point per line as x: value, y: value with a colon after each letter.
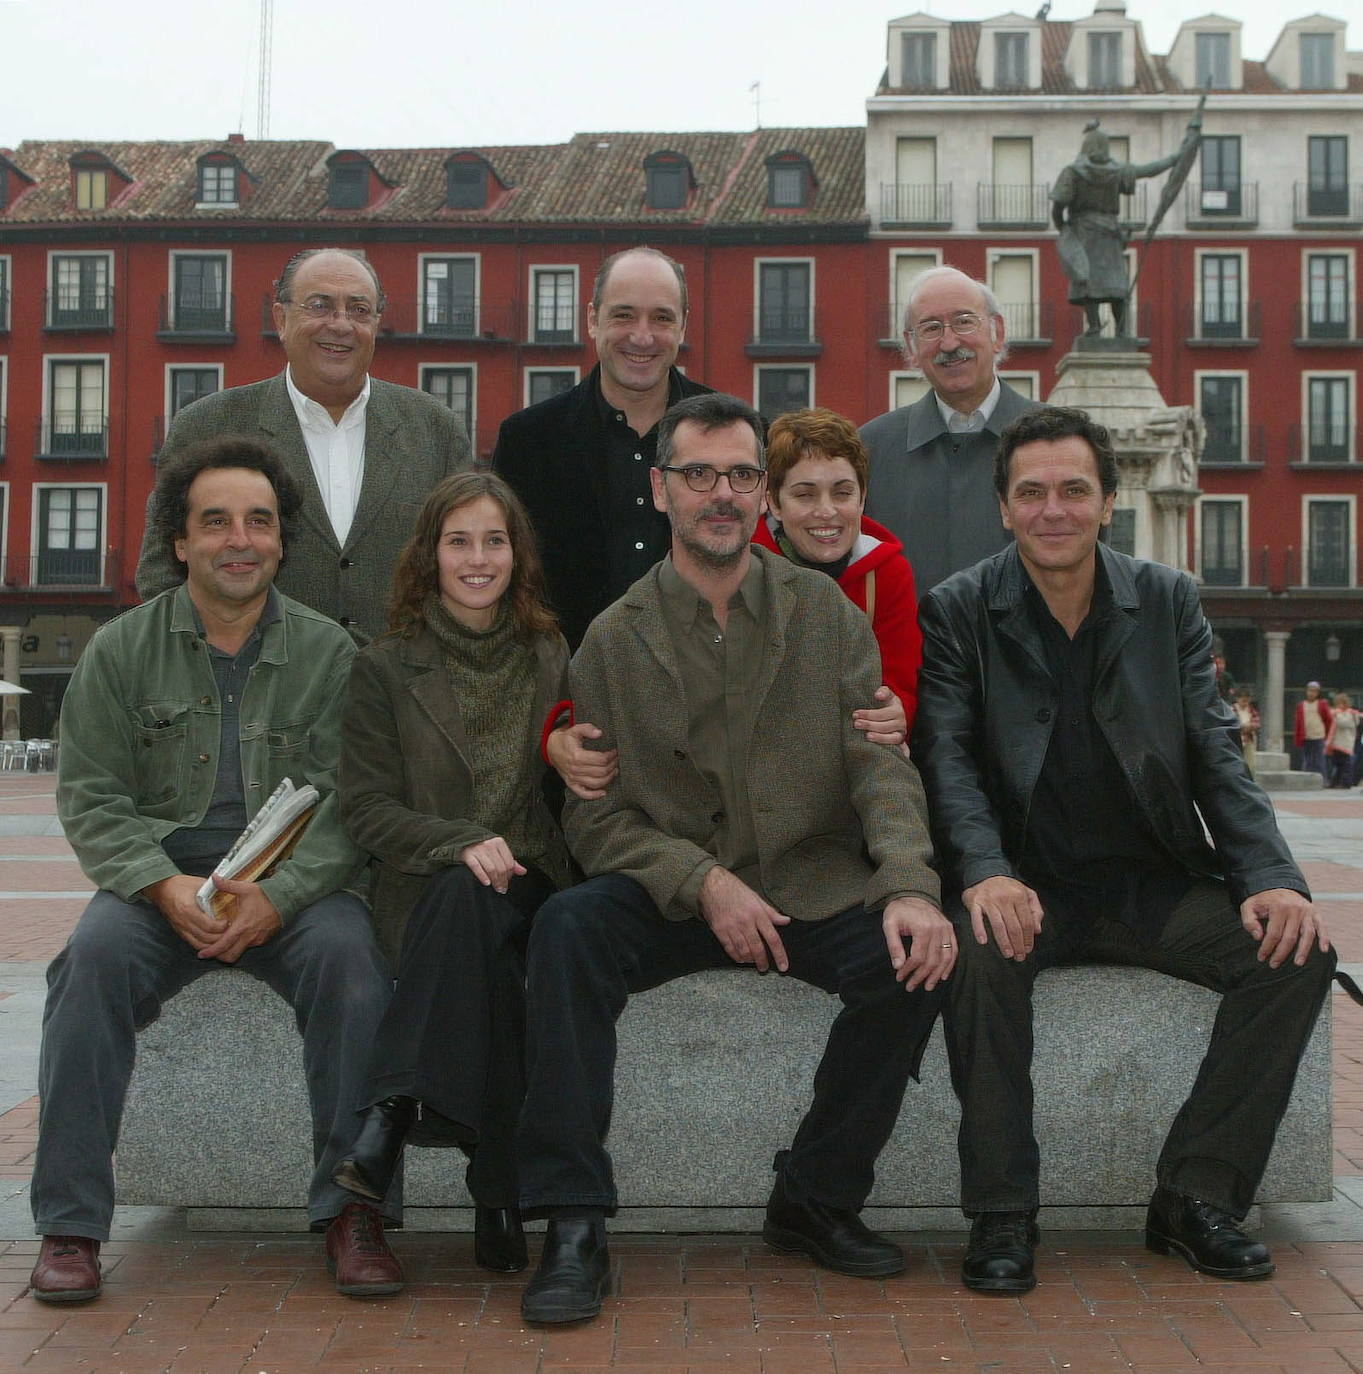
x: 135, y: 277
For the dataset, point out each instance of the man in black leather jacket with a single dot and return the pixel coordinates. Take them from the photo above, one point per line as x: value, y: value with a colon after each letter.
x: 1073, y: 743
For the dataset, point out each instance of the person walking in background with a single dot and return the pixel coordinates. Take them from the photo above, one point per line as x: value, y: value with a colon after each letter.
x: 1312, y: 725
x: 1248, y: 714
x: 1340, y: 741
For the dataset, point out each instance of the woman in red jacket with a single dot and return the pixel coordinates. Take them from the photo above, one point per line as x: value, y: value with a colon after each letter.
x: 816, y: 492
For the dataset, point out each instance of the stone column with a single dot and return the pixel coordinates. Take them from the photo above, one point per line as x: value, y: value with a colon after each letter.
x: 11, y: 635
x: 1272, y: 715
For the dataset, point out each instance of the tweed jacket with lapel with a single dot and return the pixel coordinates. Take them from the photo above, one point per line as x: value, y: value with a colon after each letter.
x: 839, y: 821
x: 411, y: 442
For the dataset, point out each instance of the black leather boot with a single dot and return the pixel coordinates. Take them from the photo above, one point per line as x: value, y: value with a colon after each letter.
x: 498, y: 1240
x: 573, y: 1274
x: 373, y: 1159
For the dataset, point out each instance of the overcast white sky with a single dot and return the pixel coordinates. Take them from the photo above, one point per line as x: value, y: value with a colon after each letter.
x: 414, y: 73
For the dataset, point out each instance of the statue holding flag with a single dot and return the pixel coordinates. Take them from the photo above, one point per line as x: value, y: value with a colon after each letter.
x: 1087, y: 197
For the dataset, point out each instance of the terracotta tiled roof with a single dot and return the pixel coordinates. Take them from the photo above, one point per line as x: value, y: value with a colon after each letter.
x: 594, y: 178
x: 165, y: 180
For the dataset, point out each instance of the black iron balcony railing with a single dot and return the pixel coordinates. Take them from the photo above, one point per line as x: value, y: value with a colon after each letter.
x: 1223, y: 323
x: 1325, y: 322
x: 77, y: 438
x: 1336, y: 202
x: 416, y: 317
x: 63, y: 570
x: 1233, y: 444
x: 80, y: 309
x: 1012, y: 207
x: 1325, y: 442
x: 927, y: 204
x: 1027, y: 322
x: 192, y: 318
x: 1133, y: 212
x: 789, y: 330
x: 1222, y: 207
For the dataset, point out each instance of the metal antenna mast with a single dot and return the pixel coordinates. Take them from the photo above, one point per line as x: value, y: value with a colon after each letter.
x: 263, y: 90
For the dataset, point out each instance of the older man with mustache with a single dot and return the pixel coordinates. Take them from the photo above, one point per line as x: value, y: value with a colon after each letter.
x: 932, y: 463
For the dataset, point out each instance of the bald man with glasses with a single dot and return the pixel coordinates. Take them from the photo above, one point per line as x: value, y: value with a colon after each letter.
x: 932, y: 462
x: 365, y: 452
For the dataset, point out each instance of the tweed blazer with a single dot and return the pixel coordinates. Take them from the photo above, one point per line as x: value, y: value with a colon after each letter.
x: 552, y: 455
x: 935, y: 490
x: 839, y: 821
x: 411, y: 441
x: 406, y: 786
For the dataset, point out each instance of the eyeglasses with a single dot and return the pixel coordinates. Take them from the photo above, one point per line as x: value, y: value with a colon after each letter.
x: 702, y: 477
x: 963, y: 325
x: 323, y: 307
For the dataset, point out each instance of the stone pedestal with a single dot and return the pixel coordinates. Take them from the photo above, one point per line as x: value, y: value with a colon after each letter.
x: 1157, y: 449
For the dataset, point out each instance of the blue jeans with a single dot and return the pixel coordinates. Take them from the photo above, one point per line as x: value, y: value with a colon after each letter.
x: 1313, y: 757
x: 122, y: 962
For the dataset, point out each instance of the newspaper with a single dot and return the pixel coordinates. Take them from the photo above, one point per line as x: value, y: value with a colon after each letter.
x: 269, y: 837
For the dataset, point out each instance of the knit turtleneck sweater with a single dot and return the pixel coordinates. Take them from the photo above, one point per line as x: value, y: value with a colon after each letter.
x: 492, y: 675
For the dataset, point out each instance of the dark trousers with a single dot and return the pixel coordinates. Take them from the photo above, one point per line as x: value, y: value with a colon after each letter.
x: 596, y: 943
x: 1220, y: 1140
x: 121, y: 963
x: 454, y: 1034
x: 1341, y: 764
x: 1313, y: 758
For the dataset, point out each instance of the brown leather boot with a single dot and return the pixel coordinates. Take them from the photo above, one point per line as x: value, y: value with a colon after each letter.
x: 67, y: 1270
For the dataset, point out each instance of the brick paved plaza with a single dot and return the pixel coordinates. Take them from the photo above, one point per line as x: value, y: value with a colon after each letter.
x: 217, y: 1304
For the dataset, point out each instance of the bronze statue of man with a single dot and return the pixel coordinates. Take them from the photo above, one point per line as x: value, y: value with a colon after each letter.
x: 1087, y: 198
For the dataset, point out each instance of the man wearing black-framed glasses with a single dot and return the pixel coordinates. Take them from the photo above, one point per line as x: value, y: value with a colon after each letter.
x: 365, y: 452
x: 749, y: 823
x: 932, y: 462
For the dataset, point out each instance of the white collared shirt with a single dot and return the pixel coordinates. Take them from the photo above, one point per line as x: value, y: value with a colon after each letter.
x: 957, y: 423
x: 336, y: 452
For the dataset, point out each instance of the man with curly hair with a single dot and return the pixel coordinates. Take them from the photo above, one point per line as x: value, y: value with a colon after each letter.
x: 183, y: 716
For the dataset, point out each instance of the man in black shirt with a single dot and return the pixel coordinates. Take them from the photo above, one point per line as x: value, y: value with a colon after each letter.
x: 1072, y: 743
x: 580, y: 461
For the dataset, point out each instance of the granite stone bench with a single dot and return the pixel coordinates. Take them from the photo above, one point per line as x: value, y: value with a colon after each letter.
x: 714, y: 1073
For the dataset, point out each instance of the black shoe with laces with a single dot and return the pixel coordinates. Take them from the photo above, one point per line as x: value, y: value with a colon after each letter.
x: 1207, y: 1237
x: 1001, y: 1253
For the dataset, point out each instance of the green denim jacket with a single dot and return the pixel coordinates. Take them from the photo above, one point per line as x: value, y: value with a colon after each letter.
x: 140, y: 729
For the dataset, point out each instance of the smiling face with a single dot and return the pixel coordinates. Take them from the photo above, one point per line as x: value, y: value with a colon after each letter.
x: 819, y: 505
x: 638, y: 327
x: 328, y: 356
x: 712, y: 528
x: 1055, y: 505
x: 231, y: 543
x: 959, y: 370
x: 474, y: 562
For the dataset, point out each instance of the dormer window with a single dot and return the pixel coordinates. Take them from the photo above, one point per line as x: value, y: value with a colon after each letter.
x: 669, y: 181
x: 919, y: 58
x: 466, y: 184
x: 1105, y: 61
x: 95, y: 181
x: 790, y: 181
x: 1212, y: 58
x: 92, y: 188
x: 219, y: 183
x: 1011, y: 60
x: 1317, y: 61
x: 347, y: 182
